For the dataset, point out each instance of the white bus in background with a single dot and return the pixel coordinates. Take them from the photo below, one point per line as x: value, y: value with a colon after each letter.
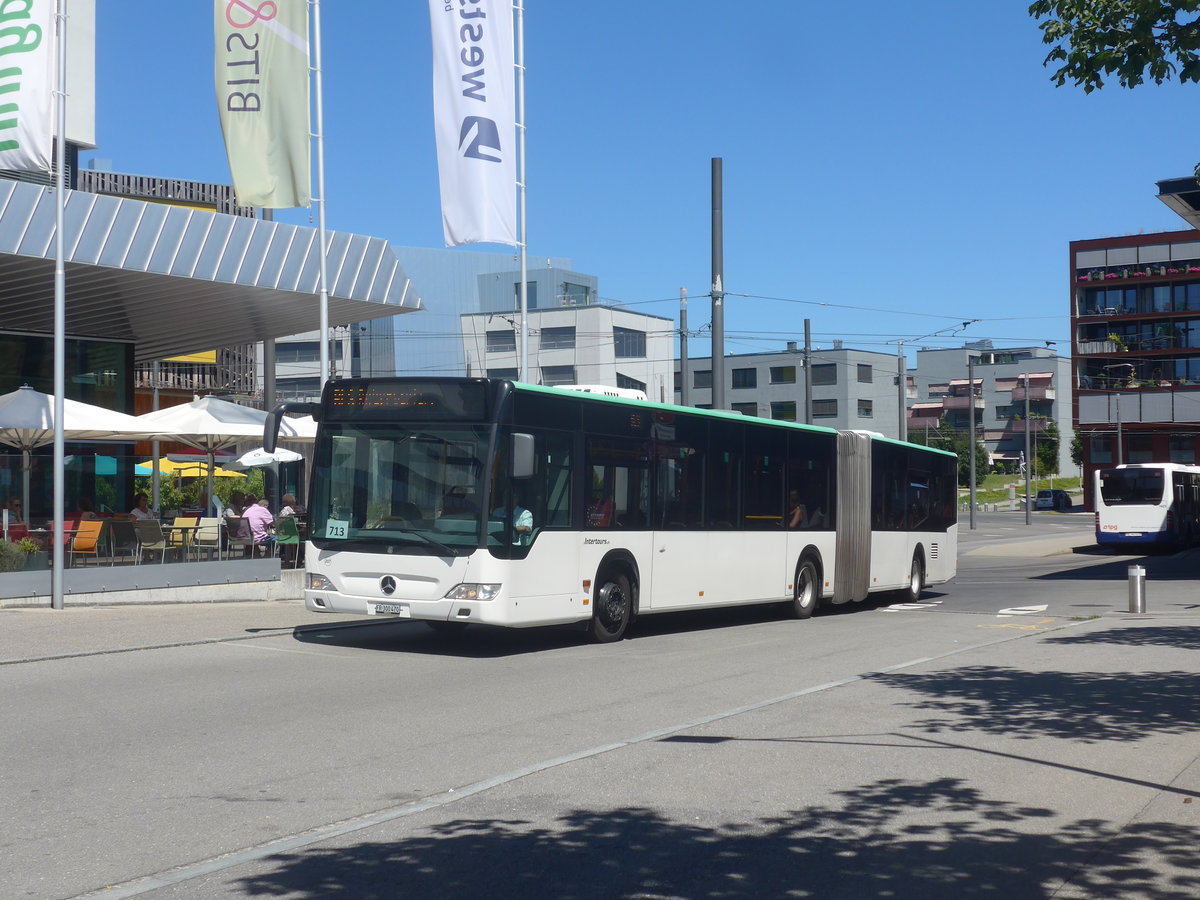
x: 1148, y: 505
x: 459, y: 500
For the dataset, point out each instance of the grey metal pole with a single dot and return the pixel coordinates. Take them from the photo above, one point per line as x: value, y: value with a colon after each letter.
x: 684, y: 398
x: 807, y: 372
x: 323, y: 237
x: 902, y: 428
x: 971, y: 412
x: 60, y: 314
x: 524, y: 241
x: 1028, y: 457
x: 1137, y: 589
x: 1120, y: 443
x: 718, y: 289
x: 155, y: 446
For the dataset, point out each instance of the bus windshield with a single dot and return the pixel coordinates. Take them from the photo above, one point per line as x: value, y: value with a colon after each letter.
x: 418, y: 489
x: 1130, y: 487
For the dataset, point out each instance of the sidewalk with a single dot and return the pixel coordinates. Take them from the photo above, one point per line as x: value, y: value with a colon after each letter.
x: 33, y: 633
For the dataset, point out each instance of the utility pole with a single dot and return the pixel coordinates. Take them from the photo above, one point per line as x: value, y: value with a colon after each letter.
x: 971, y: 413
x: 683, y: 349
x: 1028, y: 457
x: 902, y: 430
x: 807, y: 372
x: 718, y: 289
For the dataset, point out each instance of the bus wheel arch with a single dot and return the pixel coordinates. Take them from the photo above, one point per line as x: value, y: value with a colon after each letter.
x: 806, y: 586
x: 614, y: 597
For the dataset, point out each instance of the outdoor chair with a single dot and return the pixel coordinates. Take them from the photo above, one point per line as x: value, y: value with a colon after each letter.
x: 179, y: 535
x: 287, y: 534
x: 237, y: 535
x: 150, y: 538
x: 122, y: 539
x: 88, y: 540
x: 207, y: 538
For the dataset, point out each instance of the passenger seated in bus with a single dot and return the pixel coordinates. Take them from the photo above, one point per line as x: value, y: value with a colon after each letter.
x: 600, y: 512
x: 522, y: 521
x: 796, y: 512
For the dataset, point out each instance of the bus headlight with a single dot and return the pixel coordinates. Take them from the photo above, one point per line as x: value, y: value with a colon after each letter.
x: 474, y: 592
x: 319, y: 582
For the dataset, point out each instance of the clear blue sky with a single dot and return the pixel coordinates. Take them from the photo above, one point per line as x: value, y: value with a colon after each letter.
x: 910, y: 165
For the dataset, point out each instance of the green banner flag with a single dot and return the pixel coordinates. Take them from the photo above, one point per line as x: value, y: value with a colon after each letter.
x: 261, y: 69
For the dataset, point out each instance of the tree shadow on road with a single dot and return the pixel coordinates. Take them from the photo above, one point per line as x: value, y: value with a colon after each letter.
x: 892, y: 838
x: 1083, y: 706
x: 1181, y: 637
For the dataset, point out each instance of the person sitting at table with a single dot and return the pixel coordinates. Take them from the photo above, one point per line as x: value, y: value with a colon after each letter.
x: 260, y: 520
x: 84, y: 509
x: 141, y: 507
x: 291, y: 507
x: 15, y: 509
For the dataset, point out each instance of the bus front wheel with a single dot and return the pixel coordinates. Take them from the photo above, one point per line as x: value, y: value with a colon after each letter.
x: 614, y: 605
x: 806, y: 592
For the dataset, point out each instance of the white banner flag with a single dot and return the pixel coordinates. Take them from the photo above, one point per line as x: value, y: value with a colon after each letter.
x: 475, y: 119
x: 26, y: 83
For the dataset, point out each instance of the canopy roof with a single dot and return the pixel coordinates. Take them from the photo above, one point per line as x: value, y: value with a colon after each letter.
x: 177, y: 280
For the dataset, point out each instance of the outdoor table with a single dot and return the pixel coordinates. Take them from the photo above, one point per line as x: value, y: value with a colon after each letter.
x: 185, y: 533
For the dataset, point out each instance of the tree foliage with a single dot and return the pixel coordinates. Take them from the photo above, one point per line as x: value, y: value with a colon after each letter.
x: 1130, y: 40
x: 946, y: 437
x: 1046, y: 451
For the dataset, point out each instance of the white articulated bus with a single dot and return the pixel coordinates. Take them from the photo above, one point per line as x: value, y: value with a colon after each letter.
x: 1148, y: 505
x: 461, y: 500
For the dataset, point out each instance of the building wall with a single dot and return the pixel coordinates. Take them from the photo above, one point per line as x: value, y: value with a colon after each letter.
x: 851, y: 388
x: 1135, y: 321
x: 575, y: 345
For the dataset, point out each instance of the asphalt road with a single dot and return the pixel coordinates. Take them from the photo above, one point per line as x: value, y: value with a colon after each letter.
x: 975, y: 744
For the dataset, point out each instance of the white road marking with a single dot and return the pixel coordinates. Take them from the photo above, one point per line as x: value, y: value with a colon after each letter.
x: 1022, y: 610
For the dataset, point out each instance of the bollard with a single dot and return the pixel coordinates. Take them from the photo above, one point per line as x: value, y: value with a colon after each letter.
x: 1137, y: 589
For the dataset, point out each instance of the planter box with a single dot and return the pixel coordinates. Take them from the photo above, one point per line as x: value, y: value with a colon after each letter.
x: 1098, y: 347
x: 37, y: 561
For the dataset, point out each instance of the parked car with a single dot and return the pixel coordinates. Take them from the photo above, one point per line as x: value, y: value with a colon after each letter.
x: 1052, y: 499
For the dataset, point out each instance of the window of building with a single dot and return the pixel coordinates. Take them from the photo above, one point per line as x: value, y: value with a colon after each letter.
x: 1100, y: 449
x: 824, y: 373
x: 558, y: 375
x: 1139, y: 448
x: 678, y: 382
x: 784, y: 410
x: 576, y: 294
x: 629, y: 343
x: 632, y: 384
x: 824, y: 409
x: 530, y: 296
x: 298, y: 351
x: 751, y: 409
x: 866, y: 409
x: 865, y: 375
x: 702, y: 378
x: 745, y: 378
x: 298, y: 388
x: 560, y: 338
x: 783, y: 374
x: 1182, y: 448
x: 502, y: 341
x: 510, y: 374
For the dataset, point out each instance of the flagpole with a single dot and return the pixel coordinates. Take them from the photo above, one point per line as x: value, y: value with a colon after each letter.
x: 60, y: 311
x: 520, y: 6
x: 324, y: 277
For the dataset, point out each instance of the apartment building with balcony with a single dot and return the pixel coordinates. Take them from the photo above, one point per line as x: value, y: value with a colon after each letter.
x: 1135, y: 319
x: 1003, y: 379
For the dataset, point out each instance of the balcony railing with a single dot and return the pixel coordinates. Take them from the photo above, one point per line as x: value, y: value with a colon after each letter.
x: 961, y: 403
x: 1035, y: 393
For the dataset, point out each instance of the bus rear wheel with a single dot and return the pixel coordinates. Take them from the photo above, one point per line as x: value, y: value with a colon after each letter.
x: 916, y: 579
x: 613, y: 608
x: 806, y: 593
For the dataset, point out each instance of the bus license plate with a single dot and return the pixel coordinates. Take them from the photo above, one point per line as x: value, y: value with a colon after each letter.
x: 390, y: 609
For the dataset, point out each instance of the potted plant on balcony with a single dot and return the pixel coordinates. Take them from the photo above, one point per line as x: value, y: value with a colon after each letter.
x: 1118, y: 342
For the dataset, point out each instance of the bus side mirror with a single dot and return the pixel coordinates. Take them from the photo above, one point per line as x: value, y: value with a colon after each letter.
x: 522, y: 455
x: 271, y: 424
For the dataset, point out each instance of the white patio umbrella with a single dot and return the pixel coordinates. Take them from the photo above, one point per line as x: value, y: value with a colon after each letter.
x: 27, y: 422
x: 211, y: 424
x: 252, y: 459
